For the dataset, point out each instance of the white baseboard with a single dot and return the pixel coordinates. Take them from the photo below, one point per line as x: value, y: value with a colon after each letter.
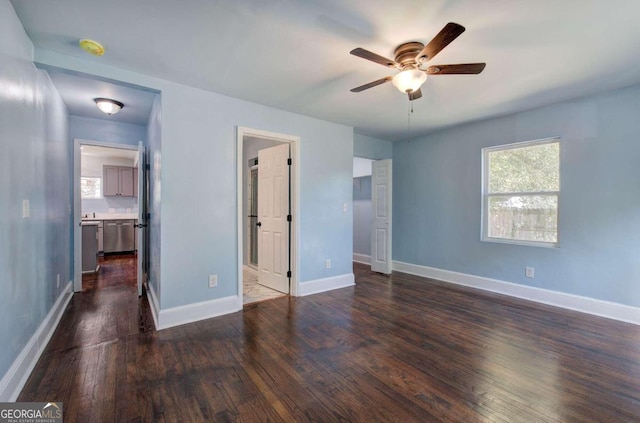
x: 361, y: 258
x: 326, y: 284
x: 15, y: 378
x: 190, y: 313
x: 588, y: 305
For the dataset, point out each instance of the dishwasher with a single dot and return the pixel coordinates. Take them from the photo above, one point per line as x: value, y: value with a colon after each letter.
x: 118, y: 236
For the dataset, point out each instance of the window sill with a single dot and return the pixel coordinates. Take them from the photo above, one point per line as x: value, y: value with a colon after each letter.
x: 555, y: 245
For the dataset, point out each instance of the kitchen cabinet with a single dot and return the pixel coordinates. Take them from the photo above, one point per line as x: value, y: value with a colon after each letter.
x: 100, y: 237
x: 118, y: 181
x: 89, y: 246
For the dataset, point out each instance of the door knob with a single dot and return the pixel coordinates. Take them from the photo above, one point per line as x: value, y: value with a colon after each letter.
x: 259, y: 224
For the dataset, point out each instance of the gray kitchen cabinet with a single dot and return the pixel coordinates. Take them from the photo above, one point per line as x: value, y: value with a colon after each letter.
x: 100, y: 236
x: 89, y: 246
x: 118, y: 181
x: 111, y: 181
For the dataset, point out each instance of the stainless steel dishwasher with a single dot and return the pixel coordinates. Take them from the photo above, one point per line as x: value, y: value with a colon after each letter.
x: 118, y: 236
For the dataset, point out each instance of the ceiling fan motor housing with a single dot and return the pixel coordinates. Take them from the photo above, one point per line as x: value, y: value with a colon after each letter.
x: 406, y: 53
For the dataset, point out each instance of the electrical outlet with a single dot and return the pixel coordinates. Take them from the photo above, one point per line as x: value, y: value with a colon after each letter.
x: 345, y: 207
x: 213, y: 281
x: 58, y: 281
x: 327, y: 264
x: 529, y: 272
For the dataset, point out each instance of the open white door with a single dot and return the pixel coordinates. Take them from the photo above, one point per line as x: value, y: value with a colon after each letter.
x: 381, y: 216
x: 273, y: 226
x: 142, y: 226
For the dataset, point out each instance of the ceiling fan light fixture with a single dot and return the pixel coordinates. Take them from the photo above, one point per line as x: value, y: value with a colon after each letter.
x: 409, y: 80
x: 108, y: 106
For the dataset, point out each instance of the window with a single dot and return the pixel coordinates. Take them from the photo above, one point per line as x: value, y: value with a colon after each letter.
x: 90, y: 187
x: 521, y: 188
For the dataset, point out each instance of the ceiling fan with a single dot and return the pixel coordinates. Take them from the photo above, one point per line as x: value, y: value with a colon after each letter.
x: 411, y: 58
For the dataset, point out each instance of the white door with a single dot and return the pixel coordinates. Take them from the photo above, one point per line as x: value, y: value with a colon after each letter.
x: 142, y: 215
x: 273, y: 208
x: 381, y: 216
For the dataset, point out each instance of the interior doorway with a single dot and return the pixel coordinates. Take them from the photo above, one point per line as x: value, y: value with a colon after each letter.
x: 267, y: 191
x: 110, y: 197
x: 372, y: 207
x: 362, y: 210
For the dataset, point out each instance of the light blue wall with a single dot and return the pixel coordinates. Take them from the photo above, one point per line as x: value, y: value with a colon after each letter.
x: 106, y: 131
x: 362, y: 215
x: 199, y: 184
x: 34, y: 166
x: 371, y: 148
x: 437, y: 200
x: 154, y: 141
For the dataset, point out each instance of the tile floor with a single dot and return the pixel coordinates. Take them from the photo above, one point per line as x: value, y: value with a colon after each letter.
x: 253, y: 292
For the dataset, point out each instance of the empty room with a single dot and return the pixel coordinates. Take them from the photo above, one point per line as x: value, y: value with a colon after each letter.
x: 367, y: 211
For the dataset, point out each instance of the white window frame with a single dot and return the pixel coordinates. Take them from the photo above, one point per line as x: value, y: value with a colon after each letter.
x: 486, y: 195
x: 100, y: 195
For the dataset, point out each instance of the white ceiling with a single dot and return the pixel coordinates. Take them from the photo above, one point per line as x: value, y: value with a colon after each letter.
x: 294, y: 55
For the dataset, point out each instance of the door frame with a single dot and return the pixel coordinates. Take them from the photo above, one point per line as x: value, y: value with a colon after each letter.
x: 248, y: 227
x: 294, y: 142
x: 77, y: 204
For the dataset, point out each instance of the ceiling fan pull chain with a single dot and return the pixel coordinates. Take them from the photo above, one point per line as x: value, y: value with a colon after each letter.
x: 409, y: 111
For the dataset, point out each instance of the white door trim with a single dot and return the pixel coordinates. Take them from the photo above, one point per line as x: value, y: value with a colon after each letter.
x: 77, y: 204
x: 294, y: 142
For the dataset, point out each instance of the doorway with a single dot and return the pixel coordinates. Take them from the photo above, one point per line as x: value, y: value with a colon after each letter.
x: 110, y: 197
x: 267, y: 193
x: 372, y: 220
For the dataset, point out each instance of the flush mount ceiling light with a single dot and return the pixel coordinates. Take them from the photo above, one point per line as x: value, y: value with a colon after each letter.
x: 108, y: 106
x: 92, y: 47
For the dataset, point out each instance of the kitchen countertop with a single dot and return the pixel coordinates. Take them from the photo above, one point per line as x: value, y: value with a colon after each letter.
x: 110, y: 216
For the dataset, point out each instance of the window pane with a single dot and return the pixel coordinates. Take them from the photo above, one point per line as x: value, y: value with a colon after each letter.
x: 534, y: 168
x: 90, y: 187
x: 523, y: 218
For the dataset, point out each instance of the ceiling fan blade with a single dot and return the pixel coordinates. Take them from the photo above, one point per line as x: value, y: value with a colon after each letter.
x: 371, y: 84
x: 450, y: 32
x: 461, y: 69
x: 415, y: 94
x: 366, y: 54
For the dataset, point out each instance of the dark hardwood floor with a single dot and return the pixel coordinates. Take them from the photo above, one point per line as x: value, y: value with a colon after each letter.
x: 115, y: 270
x: 390, y: 349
